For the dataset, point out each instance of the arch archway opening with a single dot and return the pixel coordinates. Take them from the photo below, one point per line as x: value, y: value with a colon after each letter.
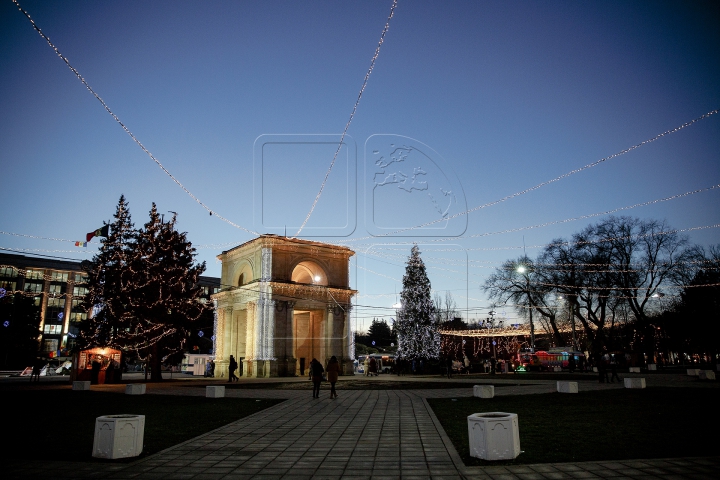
x: 309, y: 273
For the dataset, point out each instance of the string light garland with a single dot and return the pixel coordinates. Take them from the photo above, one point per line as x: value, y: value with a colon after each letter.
x: 585, y: 217
x: 125, y: 128
x: 545, y: 183
x: 568, y: 243
x: 352, y: 115
x: 44, y: 238
x: 44, y: 250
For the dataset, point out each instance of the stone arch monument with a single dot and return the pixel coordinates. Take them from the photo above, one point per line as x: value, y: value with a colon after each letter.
x: 284, y: 302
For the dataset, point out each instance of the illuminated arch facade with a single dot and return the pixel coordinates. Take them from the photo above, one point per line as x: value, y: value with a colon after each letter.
x: 284, y: 302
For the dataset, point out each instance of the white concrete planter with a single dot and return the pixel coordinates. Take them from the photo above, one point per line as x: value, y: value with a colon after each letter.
x: 706, y: 375
x: 81, y: 385
x: 634, y: 382
x: 693, y: 372
x: 118, y: 436
x: 215, y: 391
x: 567, y: 387
x: 634, y: 369
x: 595, y: 370
x: 494, y: 435
x: 135, y: 389
x: 557, y: 369
x: 652, y: 367
x: 484, y: 391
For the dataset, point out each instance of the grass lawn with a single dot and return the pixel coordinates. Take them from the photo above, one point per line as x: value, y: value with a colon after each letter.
x: 59, y: 424
x: 594, y: 426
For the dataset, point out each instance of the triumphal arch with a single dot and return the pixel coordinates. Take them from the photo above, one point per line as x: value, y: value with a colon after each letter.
x: 284, y: 302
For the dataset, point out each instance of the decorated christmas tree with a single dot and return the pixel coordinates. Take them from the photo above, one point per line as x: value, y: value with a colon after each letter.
x: 165, y: 293
x: 416, y: 323
x: 143, y: 291
x: 108, y: 285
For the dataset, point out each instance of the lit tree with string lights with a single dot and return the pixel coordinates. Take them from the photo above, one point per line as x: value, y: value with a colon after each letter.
x: 108, y: 284
x: 143, y: 291
x: 165, y: 293
x: 416, y: 324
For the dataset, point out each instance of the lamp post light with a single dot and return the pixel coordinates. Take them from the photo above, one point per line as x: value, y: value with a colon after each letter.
x: 522, y: 270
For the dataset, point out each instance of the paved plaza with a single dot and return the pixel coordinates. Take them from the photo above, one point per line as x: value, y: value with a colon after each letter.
x: 370, y: 434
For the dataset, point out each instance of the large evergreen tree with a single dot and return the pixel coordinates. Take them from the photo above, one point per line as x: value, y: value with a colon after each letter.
x: 380, y: 333
x: 143, y: 291
x: 108, y: 285
x: 416, y: 323
x: 165, y: 293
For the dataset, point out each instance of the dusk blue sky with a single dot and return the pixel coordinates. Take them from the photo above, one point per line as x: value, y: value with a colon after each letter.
x: 491, y: 98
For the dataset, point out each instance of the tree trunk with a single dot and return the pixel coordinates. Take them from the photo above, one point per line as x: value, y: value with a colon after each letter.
x: 156, y: 364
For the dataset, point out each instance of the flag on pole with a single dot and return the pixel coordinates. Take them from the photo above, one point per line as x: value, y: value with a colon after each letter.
x: 81, y: 244
x: 100, y: 232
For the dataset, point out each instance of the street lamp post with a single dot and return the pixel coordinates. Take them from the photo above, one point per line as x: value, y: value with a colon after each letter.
x: 522, y: 269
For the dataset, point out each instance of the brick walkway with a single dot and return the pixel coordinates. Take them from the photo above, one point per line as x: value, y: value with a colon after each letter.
x: 373, y: 434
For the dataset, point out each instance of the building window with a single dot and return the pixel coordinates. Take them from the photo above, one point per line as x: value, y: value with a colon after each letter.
x: 76, y: 317
x: 56, y: 302
x: 36, y: 287
x: 50, y: 344
x: 8, y: 272
x: 59, y: 276
x: 8, y: 286
x: 53, y: 329
x: 55, y: 307
x: 57, y: 288
x: 80, y: 291
x: 81, y: 278
x: 34, y: 274
x: 77, y: 305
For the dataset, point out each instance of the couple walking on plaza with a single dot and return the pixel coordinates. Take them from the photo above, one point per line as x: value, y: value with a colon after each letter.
x: 316, y: 373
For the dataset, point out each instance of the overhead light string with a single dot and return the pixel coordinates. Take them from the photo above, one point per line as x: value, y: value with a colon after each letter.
x: 352, y: 114
x: 134, y: 138
x: 545, y: 183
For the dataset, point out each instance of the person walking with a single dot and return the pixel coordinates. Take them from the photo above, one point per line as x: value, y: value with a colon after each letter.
x: 493, y: 362
x: 333, y: 370
x: 231, y: 369
x: 602, y: 369
x: 316, y: 370
x: 35, y: 374
x: 613, y: 370
x: 467, y: 365
x: 449, y: 366
x: 373, y: 367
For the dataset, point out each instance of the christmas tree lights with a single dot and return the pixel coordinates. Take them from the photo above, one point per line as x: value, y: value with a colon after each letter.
x: 143, y: 289
x: 416, y: 323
